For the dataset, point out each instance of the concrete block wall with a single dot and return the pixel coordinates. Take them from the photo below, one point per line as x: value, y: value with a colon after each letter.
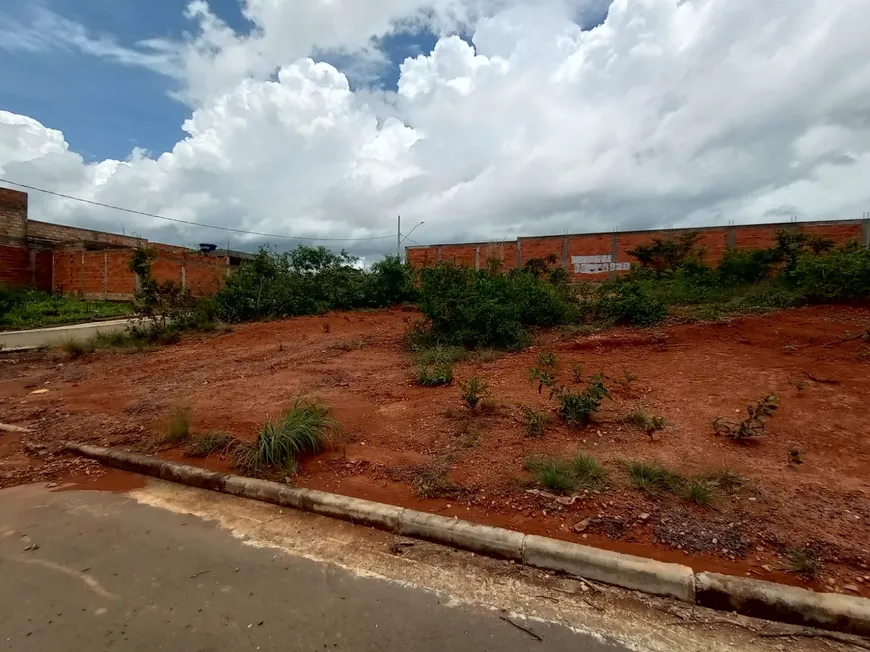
x: 599, y: 256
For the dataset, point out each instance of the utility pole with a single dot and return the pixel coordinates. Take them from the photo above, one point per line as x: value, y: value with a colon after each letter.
x: 399, y: 238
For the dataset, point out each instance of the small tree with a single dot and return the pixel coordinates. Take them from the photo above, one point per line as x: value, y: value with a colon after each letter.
x: 159, y: 302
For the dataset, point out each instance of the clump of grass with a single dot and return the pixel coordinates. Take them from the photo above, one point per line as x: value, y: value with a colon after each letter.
x: 76, y: 348
x: 581, y: 471
x: 435, y: 355
x: 469, y: 435
x: 725, y: 479
x: 488, y: 355
x: 534, y: 421
x: 698, y: 491
x: 435, y: 375
x: 432, y: 481
x: 805, y: 562
x: 178, y: 428
x: 304, y: 429
x: 648, y: 423
x: 473, y: 390
x: 653, y: 478
x: 211, y: 442
x: 348, y: 345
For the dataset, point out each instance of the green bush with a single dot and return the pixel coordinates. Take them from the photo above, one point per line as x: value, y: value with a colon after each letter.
x: 834, y: 276
x: 629, y: 303
x: 579, y: 408
x: 309, y: 281
x: 745, y: 266
x: 483, y: 308
x: 440, y: 373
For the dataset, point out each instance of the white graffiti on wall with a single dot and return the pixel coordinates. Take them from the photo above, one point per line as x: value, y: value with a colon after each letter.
x: 597, y: 264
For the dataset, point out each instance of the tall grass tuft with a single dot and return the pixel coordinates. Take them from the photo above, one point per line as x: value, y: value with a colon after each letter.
x: 305, y: 429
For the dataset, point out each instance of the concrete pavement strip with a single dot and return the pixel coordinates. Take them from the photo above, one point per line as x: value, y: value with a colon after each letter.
x: 756, y: 598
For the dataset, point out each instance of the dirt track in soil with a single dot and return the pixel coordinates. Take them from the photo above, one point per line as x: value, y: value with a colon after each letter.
x: 690, y: 374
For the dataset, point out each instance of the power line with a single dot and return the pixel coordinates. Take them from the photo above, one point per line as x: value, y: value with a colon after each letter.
x: 174, y: 219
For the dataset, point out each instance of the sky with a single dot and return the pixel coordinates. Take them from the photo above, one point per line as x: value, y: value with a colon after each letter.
x: 482, y: 119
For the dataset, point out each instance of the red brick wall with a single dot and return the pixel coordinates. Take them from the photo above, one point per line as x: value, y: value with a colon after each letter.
x: 713, y: 240
x: 106, y: 274
x: 14, y: 266
x: 60, y: 233
x: 42, y: 273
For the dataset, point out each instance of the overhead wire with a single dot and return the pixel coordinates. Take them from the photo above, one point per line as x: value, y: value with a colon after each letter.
x: 191, y: 223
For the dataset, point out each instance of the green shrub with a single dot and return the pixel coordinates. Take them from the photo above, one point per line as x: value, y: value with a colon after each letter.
x: 578, y: 408
x: 835, y: 276
x: 433, y: 375
x: 629, y: 303
x: 473, y: 390
x: 482, y: 308
x: 745, y: 266
x: 306, y: 428
x: 309, y: 281
x: 661, y: 255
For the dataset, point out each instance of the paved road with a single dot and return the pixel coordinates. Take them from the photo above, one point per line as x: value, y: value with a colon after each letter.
x: 110, y: 573
x: 39, y: 337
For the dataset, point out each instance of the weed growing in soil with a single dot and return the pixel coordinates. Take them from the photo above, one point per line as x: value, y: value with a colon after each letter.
x: 435, y: 375
x: 648, y: 423
x: 805, y: 562
x: 545, y: 372
x: 795, y: 457
x: 432, y: 481
x: 653, y: 478
x: 440, y: 355
x: 579, y: 472
x: 76, y: 349
x: 577, y: 373
x: 751, y: 427
x: 473, y: 390
x: 211, y: 442
x: 469, y: 435
x: 534, y: 421
x: 348, y: 345
x: 305, y: 428
x: 698, y: 491
x: 178, y: 428
x: 725, y: 479
x: 579, y: 408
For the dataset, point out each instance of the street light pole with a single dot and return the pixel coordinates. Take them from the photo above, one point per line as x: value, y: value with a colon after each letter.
x: 399, y: 238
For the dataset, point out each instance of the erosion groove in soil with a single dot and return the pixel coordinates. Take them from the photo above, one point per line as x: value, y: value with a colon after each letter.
x: 689, y: 374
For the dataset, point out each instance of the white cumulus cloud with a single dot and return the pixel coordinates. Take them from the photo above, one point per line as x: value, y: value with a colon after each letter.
x: 670, y: 112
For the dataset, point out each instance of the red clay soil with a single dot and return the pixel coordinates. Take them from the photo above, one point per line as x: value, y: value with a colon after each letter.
x: 810, y: 358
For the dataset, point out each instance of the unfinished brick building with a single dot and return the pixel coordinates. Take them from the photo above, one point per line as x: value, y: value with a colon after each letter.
x: 94, y: 264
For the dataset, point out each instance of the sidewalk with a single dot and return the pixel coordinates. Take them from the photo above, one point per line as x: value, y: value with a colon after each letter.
x: 45, y: 337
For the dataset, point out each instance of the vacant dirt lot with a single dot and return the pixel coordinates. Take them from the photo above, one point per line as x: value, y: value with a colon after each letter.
x: 689, y: 374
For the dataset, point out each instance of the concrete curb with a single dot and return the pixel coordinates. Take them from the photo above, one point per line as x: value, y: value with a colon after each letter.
x: 750, y: 597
